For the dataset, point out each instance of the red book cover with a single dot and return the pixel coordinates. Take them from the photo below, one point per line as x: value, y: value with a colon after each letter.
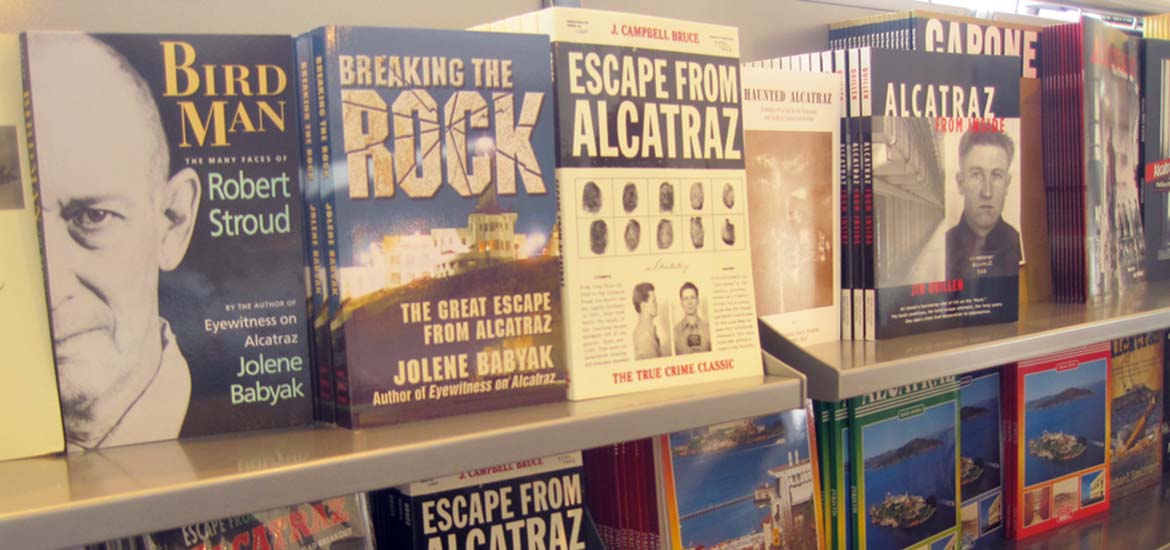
x: 1057, y: 439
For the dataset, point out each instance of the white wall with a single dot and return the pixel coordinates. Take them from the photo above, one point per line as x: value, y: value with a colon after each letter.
x: 768, y: 28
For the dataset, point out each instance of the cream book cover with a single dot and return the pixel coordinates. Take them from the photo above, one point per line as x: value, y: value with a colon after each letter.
x: 653, y: 204
x: 791, y: 139
x: 30, y: 414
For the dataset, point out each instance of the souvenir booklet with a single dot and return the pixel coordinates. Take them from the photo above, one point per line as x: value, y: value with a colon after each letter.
x: 439, y: 201
x: 741, y: 484
x: 1057, y: 439
x: 981, y: 459
x: 1135, y: 437
x: 791, y: 142
x: 906, y: 456
x: 653, y: 204
x: 31, y: 410
x: 176, y: 279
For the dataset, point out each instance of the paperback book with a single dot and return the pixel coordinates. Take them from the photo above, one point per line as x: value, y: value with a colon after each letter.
x: 906, y: 466
x: 1135, y: 436
x: 440, y: 205
x: 1155, y: 162
x: 981, y: 459
x: 175, y: 279
x: 653, y: 210
x: 743, y: 484
x: 940, y: 165
x: 791, y: 141
x: 1057, y: 428
x: 31, y: 410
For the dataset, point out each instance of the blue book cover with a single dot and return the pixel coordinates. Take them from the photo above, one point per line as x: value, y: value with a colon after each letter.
x: 167, y: 174
x: 980, y: 466
x: 441, y: 219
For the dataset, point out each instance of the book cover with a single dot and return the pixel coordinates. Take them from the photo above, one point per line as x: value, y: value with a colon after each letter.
x: 340, y: 523
x: 906, y: 457
x: 1135, y: 437
x: 167, y: 173
x: 536, y: 503
x: 791, y: 145
x: 742, y: 484
x: 943, y: 174
x: 32, y: 411
x: 1058, y: 439
x: 653, y: 206
x: 981, y: 460
x: 441, y: 207
x: 1155, y: 162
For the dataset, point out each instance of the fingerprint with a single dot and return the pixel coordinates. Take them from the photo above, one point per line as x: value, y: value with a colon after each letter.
x: 728, y: 196
x: 697, y: 232
x: 728, y: 232
x: 598, y: 237
x: 665, y: 234
x: 591, y: 198
x: 629, y: 197
x: 665, y: 197
x: 697, y: 196
x: 633, y: 235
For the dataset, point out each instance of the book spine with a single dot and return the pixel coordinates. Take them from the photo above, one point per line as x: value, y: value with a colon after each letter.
x: 33, y: 169
x: 858, y: 300
x: 866, y: 174
x: 335, y: 322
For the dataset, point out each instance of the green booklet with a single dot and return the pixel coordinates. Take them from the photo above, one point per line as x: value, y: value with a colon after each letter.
x: 905, y: 466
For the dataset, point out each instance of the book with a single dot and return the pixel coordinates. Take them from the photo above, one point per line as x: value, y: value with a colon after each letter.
x: 32, y: 411
x: 906, y: 466
x: 981, y: 459
x: 1135, y: 436
x: 536, y: 503
x: 1154, y: 169
x: 940, y: 137
x: 792, y: 127
x: 173, y: 251
x: 442, y: 233
x: 340, y: 523
x: 748, y: 483
x: 1099, y: 247
x: 653, y: 209
x: 1056, y: 430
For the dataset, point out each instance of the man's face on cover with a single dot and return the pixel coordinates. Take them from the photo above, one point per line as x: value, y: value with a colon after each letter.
x: 112, y: 220
x: 650, y: 306
x: 690, y: 301
x: 983, y: 180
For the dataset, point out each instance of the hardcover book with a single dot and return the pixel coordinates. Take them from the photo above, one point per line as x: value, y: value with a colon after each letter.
x: 537, y: 503
x: 940, y: 136
x: 1155, y: 163
x: 341, y: 523
x: 792, y: 127
x: 981, y: 459
x: 1135, y: 437
x: 743, y: 484
x: 31, y: 412
x: 905, y: 446
x: 1057, y: 431
x: 441, y: 218
x: 653, y: 212
x: 167, y: 175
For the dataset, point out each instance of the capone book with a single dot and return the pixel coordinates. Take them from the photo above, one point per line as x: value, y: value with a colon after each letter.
x: 167, y: 170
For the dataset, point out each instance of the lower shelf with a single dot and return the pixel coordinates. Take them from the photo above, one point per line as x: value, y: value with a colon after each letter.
x: 63, y: 501
x: 1139, y: 521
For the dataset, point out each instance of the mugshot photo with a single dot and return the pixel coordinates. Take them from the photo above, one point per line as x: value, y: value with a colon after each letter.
x: 651, y: 335
x: 692, y: 329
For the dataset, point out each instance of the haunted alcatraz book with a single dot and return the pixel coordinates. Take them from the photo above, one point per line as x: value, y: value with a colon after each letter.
x: 522, y: 505
x: 439, y: 202
x: 167, y: 172
x: 31, y: 413
x: 1135, y: 433
x: 653, y: 209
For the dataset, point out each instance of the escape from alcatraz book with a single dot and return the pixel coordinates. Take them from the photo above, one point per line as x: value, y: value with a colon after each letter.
x: 340, y: 523
x: 527, y: 504
x: 440, y: 207
x: 167, y: 170
x: 1057, y: 428
x: 942, y: 133
x: 905, y: 446
x: 1135, y: 433
x: 654, y: 218
x: 31, y: 412
x: 742, y: 484
x: 792, y: 127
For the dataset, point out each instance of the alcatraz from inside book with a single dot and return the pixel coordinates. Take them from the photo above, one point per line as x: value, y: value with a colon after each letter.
x: 172, y: 232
